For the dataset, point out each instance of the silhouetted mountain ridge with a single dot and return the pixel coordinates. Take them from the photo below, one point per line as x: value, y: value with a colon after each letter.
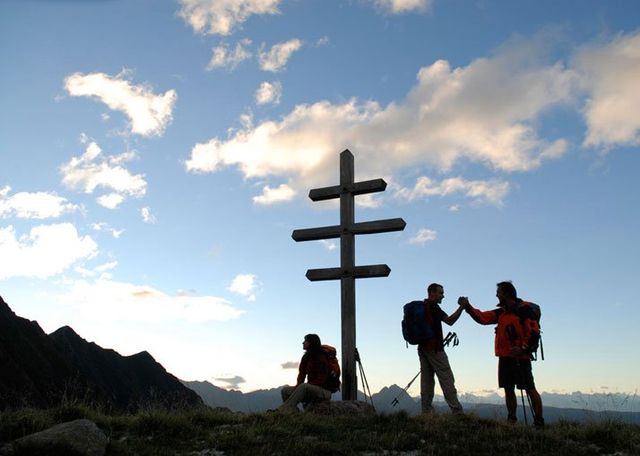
x: 43, y: 370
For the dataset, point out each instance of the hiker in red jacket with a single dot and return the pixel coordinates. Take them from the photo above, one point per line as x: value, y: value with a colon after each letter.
x: 517, y: 332
x: 316, y: 368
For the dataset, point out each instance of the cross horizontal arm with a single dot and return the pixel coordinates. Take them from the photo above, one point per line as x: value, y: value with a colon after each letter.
x: 334, y: 231
x: 379, y: 226
x: 358, y: 272
x: 357, y: 188
x: 315, y: 234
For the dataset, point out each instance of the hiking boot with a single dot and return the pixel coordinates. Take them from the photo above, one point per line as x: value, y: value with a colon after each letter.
x: 538, y: 422
x: 512, y: 419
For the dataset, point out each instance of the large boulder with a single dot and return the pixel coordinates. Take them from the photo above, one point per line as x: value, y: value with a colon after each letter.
x: 341, y: 408
x: 79, y: 437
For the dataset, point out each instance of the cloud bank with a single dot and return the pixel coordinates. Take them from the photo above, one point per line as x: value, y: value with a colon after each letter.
x: 486, y: 112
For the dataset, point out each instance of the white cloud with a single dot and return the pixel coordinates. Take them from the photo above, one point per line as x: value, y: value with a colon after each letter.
x: 232, y: 383
x: 277, y: 57
x: 148, y: 113
x: 244, y: 285
x: 108, y: 301
x: 610, y: 75
x: 269, y: 92
x: 34, y: 205
x: 329, y: 245
x: 493, y: 191
x: 275, y: 195
x: 46, y: 251
x: 221, y: 17
x: 101, y: 270
x: 423, y: 236
x: 147, y: 216
x: 402, y: 6
x: 111, y: 200
x: 224, y: 57
x: 105, y: 227
x: 486, y: 112
x: 322, y: 41
x: 91, y: 171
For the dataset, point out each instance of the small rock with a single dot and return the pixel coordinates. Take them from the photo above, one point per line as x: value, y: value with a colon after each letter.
x: 79, y: 437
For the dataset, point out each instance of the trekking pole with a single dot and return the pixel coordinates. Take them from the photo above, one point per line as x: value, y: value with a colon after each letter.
x: 451, y: 337
x: 524, y: 410
x: 395, y: 401
x: 365, y: 383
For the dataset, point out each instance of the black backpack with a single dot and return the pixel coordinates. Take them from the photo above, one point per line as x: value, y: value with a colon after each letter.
x: 415, y: 329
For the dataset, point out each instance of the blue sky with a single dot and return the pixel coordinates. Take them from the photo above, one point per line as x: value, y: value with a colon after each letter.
x: 157, y: 155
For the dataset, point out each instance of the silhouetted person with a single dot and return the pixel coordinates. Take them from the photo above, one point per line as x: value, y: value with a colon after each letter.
x: 322, y: 378
x: 433, y: 359
x: 517, y: 335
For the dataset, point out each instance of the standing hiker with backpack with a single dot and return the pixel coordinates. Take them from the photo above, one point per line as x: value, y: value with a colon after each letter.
x: 433, y: 359
x: 320, y: 367
x: 517, y: 337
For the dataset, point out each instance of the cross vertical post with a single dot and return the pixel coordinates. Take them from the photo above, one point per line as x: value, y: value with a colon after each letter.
x: 348, y: 283
x: 348, y: 272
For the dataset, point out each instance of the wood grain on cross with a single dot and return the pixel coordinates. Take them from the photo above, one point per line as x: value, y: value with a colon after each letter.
x: 348, y: 271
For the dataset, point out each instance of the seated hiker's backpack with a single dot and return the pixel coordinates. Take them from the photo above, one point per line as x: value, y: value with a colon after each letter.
x: 333, y: 378
x: 415, y: 329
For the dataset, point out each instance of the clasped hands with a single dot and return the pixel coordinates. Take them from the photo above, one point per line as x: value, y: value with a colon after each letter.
x: 463, y: 301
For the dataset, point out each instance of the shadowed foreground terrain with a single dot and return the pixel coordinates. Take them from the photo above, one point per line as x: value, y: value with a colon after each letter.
x: 207, y: 431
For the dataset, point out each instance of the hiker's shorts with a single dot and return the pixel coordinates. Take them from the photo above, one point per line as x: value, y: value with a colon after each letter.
x: 513, y: 372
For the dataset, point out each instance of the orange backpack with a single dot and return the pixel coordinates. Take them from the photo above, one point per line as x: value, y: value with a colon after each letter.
x: 333, y: 377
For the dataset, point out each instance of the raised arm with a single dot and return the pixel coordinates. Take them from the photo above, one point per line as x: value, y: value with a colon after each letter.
x: 489, y: 317
x: 451, y: 319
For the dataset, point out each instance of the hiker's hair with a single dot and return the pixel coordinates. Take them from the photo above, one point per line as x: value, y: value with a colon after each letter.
x: 508, y: 289
x: 434, y: 287
x: 314, y: 340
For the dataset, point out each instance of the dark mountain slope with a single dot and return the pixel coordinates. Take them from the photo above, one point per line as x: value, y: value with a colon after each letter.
x: 43, y: 370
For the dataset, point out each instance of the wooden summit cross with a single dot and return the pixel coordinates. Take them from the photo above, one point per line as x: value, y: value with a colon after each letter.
x: 348, y: 271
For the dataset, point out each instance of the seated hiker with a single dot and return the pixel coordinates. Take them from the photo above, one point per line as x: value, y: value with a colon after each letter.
x: 320, y: 367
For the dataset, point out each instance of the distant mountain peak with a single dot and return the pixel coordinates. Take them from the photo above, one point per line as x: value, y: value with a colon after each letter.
x: 66, y: 331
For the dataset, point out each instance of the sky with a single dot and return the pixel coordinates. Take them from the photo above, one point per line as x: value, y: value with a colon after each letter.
x: 157, y: 155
